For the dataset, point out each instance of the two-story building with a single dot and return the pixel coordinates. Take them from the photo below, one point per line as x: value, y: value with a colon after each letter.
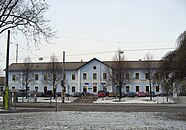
x: 90, y: 76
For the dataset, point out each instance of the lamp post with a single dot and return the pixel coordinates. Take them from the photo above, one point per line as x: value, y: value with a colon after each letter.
x: 120, y: 75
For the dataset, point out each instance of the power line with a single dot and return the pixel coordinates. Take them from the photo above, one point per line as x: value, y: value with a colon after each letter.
x: 153, y: 49
x: 89, y: 39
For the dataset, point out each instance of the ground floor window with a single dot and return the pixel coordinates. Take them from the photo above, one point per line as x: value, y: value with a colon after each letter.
x: 95, y: 89
x: 84, y: 88
x: 28, y: 88
x: 1, y: 89
x: 127, y: 88
x: 73, y: 89
x: 157, y: 88
x: 105, y: 88
x: 45, y: 89
x: 137, y: 88
x: 64, y: 88
x: 147, y: 88
x: 36, y: 88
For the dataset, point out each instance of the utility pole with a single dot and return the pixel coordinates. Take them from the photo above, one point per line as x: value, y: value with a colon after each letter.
x: 6, y: 95
x: 63, y: 79
x: 16, y: 52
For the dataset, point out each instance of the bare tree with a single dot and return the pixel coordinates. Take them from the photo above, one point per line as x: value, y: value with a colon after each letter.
x: 150, y: 69
x: 27, y: 74
x: 119, y: 73
x: 26, y: 16
x: 54, y: 73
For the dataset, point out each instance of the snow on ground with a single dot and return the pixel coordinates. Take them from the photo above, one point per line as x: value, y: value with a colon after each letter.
x: 101, y: 100
x: 135, y: 100
x: 70, y: 120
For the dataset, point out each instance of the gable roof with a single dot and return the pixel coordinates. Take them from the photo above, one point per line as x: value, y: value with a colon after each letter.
x: 91, y: 61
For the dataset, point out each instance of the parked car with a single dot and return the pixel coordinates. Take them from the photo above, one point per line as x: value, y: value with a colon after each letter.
x: 77, y: 94
x: 101, y: 94
x: 106, y: 92
x: 151, y: 93
x: 131, y: 94
x: 40, y: 94
x: 122, y: 94
x: 112, y: 94
x: 87, y: 94
x: 142, y: 94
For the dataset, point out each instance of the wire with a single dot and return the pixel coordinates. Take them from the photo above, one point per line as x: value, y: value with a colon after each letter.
x: 154, y: 49
x: 114, y: 41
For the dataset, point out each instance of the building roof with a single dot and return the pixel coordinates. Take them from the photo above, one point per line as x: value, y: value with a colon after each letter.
x: 76, y: 65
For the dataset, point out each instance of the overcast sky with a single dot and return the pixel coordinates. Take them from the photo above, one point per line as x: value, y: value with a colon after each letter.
x: 94, y: 26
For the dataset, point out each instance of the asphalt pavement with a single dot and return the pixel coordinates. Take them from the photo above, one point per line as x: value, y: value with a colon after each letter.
x: 41, y: 107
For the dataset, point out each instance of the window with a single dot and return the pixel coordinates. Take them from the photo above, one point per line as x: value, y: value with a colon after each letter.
x: 1, y: 89
x: 45, y: 76
x: 13, y: 77
x: 64, y: 88
x: 36, y: 77
x: 94, y: 76
x: 104, y: 76
x: 13, y: 88
x: 147, y: 76
x: 127, y: 76
x: 94, y: 89
x: 127, y: 88
x: 84, y: 88
x: 137, y: 88
x: 28, y: 88
x: 84, y: 76
x: 73, y: 89
x: 94, y: 68
x: 36, y: 88
x: 137, y: 75
x: 45, y: 89
x: 64, y: 77
x: 73, y: 76
x: 157, y: 88
x: 147, y: 88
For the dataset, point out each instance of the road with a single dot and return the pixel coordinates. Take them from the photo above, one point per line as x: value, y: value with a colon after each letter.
x: 38, y: 107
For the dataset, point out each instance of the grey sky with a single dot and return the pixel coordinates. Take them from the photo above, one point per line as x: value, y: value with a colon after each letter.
x: 88, y: 26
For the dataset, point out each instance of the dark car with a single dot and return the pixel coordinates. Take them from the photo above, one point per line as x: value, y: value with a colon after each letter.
x: 40, y: 94
x: 131, y: 94
x: 153, y: 94
x: 77, y: 94
x: 87, y: 94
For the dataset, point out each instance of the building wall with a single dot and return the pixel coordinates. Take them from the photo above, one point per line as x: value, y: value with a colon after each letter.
x: 94, y: 66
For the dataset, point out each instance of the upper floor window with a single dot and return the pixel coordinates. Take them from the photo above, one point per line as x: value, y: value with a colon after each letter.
x: 84, y: 76
x: 45, y: 76
x: 147, y: 76
x: 36, y: 77
x: 137, y: 75
x: 73, y: 77
x: 127, y: 75
x: 94, y: 67
x: 94, y: 76
x: 13, y: 77
x: 104, y: 76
